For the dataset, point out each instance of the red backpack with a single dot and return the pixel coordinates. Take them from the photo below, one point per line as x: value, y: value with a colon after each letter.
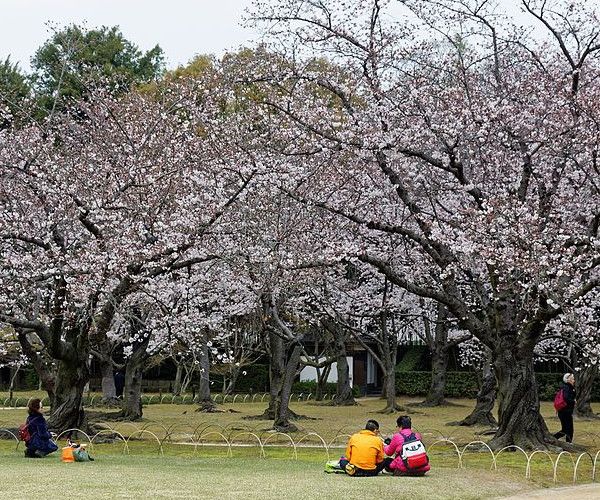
x: 413, y: 453
x: 560, y: 403
x: 24, y: 433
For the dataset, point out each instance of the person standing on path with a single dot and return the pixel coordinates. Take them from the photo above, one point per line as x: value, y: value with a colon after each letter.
x: 566, y: 414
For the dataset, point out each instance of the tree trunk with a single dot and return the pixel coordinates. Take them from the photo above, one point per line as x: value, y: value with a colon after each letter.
x: 323, y: 375
x: 109, y: 391
x: 520, y: 422
x: 486, y: 398
x: 13, y: 376
x: 234, y: 374
x: 282, y: 418
x: 438, y: 345
x: 388, y: 352
x: 343, y: 391
x: 67, y: 409
x: 276, y: 374
x: 584, y: 383
x: 390, y: 391
x: 132, y: 401
x: 439, y: 368
x: 204, y: 398
x: 134, y: 371
x: 178, y: 375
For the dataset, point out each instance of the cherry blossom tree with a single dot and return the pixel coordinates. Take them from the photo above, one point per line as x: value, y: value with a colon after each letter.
x: 463, y: 144
x: 98, y: 204
x: 373, y: 313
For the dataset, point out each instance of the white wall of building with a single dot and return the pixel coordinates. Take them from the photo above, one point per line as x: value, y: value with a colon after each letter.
x: 310, y: 373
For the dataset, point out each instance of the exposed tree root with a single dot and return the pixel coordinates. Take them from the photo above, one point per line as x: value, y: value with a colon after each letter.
x: 483, y: 419
x: 396, y: 408
x: 208, y: 407
x: 346, y: 402
x: 110, y: 403
x: 534, y: 442
x: 266, y: 415
x: 435, y: 404
x: 289, y: 427
x: 587, y: 415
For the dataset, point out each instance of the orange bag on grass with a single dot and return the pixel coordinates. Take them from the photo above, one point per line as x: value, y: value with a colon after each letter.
x: 67, y: 454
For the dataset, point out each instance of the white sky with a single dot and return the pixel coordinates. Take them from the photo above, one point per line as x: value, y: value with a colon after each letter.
x: 182, y: 28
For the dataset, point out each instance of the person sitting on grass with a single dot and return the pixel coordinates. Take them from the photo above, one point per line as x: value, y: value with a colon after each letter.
x: 364, y: 453
x: 410, y: 458
x: 40, y: 443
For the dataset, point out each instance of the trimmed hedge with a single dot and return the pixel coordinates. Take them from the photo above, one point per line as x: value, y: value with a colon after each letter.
x: 465, y: 384
x: 458, y: 384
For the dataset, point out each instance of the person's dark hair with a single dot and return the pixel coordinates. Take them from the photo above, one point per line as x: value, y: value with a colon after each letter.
x: 372, y: 425
x: 404, y: 422
x: 34, y: 406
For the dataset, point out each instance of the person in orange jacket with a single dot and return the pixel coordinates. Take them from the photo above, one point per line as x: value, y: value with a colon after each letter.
x: 364, y: 453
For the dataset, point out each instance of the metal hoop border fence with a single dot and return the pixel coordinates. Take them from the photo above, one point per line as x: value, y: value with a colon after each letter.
x: 213, y: 434
x: 168, y: 398
x: 230, y: 434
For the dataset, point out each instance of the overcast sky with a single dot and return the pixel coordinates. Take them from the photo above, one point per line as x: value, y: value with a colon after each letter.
x: 182, y: 28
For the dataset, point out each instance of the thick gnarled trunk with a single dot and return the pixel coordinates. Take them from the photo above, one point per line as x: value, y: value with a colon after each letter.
x: 439, y: 369
x: 109, y: 390
x: 132, y: 400
x: 584, y: 383
x: 519, y: 419
x: 67, y: 408
x: 486, y: 399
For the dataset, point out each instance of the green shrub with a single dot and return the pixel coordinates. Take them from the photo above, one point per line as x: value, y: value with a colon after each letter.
x: 465, y: 384
x: 31, y: 380
x: 412, y: 359
x: 458, y: 384
x: 255, y: 380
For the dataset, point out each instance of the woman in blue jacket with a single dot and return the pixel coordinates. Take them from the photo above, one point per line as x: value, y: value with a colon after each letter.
x: 40, y: 443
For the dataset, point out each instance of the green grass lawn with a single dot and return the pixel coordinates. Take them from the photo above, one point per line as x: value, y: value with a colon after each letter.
x: 118, y: 476
x: 182, y: 470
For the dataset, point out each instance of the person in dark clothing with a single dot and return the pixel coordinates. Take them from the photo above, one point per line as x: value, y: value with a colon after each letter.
x: 119, y: 383
x: 40, y: 443
x: 566, y: 415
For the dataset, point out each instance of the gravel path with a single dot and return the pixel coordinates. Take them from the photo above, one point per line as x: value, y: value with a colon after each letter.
x: 583, y: 492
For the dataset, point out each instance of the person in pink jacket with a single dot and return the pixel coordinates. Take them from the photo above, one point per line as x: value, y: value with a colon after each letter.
x: 393, y: 448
